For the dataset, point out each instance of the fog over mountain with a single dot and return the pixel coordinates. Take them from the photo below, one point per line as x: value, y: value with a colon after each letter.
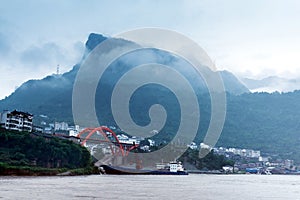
x: 246, y: 41
x: 272, y: 84
x: 253, y: 120
x: 51, y: 85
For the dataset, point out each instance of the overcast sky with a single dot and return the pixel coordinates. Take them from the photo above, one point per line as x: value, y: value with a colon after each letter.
x: 254, y: 39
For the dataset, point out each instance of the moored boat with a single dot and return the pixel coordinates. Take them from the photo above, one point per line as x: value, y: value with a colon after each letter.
x: 172, y: 168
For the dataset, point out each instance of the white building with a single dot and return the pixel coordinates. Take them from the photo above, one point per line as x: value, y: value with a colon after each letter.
x: 61, y: 126
x: 244, y: 152
x: 128, y: 140
x: 16, y: 120
x: 73, y: 133
x: 263, y: 159
x: 74, y: 130
x: 145, y: 148
x: 151, y: 142
x: 288, y: 164
x: 254, y: 154
x: 193, y: 145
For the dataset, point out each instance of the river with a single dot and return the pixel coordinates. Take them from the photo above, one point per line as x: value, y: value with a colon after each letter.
x: 193, y: 186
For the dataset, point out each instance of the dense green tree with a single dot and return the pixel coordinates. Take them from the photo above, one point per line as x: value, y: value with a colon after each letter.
x: 211, y: 161
x: 28, y: 149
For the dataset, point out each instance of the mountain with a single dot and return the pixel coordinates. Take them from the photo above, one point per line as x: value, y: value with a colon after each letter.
x: 264, y: 121
x: 56, y: 90
x: 272, y: 84
x: 232, y: 84
x: 267, y: 122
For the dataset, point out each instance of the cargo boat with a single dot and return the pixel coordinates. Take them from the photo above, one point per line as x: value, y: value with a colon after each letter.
x: 172, y: 168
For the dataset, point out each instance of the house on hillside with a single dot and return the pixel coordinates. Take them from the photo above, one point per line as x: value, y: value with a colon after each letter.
x: 16, y: 120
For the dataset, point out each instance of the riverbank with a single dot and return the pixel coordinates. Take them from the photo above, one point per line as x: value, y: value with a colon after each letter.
x: 6, y: 170
x: 32, y: 154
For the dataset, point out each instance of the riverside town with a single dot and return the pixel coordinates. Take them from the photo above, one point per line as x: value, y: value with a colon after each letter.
x: 220, y: 160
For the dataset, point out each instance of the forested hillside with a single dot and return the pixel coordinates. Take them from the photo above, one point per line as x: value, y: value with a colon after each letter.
x: 26, y: 149
x: 262, y: 121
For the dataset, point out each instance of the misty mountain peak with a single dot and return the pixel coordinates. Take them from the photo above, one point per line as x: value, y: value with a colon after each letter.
x: 93, y: 40
x: 36, y: 94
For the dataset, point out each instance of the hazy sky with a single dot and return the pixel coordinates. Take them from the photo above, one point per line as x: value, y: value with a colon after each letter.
x: 255, y: 39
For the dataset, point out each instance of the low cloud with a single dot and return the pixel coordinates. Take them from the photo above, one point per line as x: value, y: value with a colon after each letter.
x: 4, y: 45
x: 38, y: 56
x: 272, y: 84
x: 34, y: 62
x: 48, y: 56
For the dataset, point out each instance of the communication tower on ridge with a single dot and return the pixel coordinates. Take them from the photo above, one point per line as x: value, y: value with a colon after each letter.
x: 57, y: 70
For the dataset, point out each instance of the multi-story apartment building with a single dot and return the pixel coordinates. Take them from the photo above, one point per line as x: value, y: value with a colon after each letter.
x: 16, y: 120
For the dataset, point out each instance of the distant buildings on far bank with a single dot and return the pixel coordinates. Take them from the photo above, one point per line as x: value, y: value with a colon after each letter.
x: 252, y: 161
x: 250, y: 153
x: 245, y: 159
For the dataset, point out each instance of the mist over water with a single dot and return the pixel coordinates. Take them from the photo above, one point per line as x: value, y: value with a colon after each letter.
x: 208, y: 187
